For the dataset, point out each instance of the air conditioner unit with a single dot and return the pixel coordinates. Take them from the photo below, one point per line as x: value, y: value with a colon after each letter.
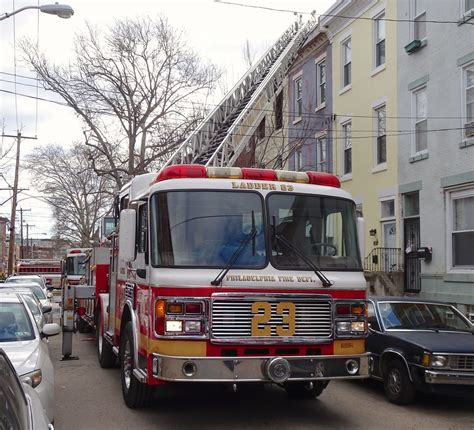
x: 469, y: 129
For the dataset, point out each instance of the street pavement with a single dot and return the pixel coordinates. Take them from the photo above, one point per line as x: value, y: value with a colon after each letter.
x: 89, y: 397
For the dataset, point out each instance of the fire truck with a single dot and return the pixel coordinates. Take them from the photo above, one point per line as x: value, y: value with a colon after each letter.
x: 50, y: 269
x: 234, y: 275
x: 75, y: 265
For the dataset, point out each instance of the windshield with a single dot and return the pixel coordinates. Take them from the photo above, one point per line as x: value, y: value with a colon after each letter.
x: 205, y: 228
x: 26, y: 280
x: 421, y: 316
x: 76, y: 265
x: 15, y: 325
x: 322, y: 228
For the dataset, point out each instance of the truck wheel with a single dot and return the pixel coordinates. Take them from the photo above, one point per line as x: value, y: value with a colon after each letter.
x: 304, y: 390
x: 82, y: 326
x: 104, y: 349
x: 135, y: 394
x: 397, y: 385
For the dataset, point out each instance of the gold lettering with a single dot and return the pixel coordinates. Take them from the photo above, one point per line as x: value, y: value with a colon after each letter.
x: 283, y: 187
x: 262, y: 319
x: 291, y: 187
x: 235, y: 185
x: 243, y: 186
x: 273, y: 187
x: 288, y: 319
x: 264, y: 186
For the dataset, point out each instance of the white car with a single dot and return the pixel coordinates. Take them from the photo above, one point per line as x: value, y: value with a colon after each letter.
x: 20, y: 406
x: 27, y: 347
x: 44, y: 298
x: 28, y: 279
x: 42, y: 314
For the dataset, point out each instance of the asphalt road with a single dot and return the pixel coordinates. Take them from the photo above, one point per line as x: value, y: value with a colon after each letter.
x: 89, y: 397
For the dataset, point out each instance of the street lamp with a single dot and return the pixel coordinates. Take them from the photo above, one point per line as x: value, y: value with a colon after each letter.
x: 61, y: 10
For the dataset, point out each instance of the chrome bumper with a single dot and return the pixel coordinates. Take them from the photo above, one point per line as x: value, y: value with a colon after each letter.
x: 448, y: 377
x: 257, y: 369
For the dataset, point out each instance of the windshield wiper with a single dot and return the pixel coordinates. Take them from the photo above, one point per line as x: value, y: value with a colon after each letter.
x: 324, y: 280
x: 237, y: 253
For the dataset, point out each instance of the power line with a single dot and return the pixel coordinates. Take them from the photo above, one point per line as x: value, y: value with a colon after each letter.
x: 19, y: 76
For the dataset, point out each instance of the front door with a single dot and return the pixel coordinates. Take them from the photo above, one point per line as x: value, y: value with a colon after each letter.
x: 412, y: 263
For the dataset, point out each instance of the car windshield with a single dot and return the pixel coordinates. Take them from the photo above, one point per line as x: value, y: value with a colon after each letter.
x: 25, y: 280
x: 37, y: 290
x: 205, y: 228
x: 76, y: 265
x: 421, y: 316
x: 15, y: 324
x: 322, y: 228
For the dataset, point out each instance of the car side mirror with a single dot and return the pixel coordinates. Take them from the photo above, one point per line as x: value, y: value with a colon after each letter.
x: 47, y: 309
x: 49, y: 287
x: 51, y: 329
x: 49, y: 295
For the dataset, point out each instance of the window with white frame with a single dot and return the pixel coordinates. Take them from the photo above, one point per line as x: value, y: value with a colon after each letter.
x: 298, y: 159
x: 321, y: 82
x: 346, y: 62
x: 419, y: 24
x: 469, y: 100
x: 347, y: 139
x: 321, y: 157
x: 387, y: 209
x: 381, y: 133
x: 461, y: 226
x: 379, y: 40
x: 421, y: 121
x: 468, y: 5
x: 298, y: 97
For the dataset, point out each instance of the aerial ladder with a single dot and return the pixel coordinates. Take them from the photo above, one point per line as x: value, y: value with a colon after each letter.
x: 217, y: 140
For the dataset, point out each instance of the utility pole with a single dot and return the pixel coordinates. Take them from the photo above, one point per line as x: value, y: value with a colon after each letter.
x: 29, y: 246
x: 21, y: 231
x: 11, y: 247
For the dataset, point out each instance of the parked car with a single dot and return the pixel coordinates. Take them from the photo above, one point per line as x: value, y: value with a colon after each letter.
x: 26, y: 346
x: 44, y: 298
x: 419, y: 345
x: 20, y: 406
x: 42, y: 314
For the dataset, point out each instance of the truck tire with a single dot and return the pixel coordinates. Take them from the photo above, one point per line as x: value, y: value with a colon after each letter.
x: 135, y: 394
x: 396, y: 383
x: 82, y: 326
x: 302, y: 390
x: 105, y: 354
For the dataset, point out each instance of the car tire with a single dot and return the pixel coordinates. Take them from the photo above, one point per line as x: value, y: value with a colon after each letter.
x: 397, y: 385
x: 135, y: 393
x: 303, y: 390
x: 105, y: 354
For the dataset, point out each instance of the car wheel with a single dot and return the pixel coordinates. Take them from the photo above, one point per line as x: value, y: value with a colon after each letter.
x: 305, y: 390
x: 397, y: 385
x: 135, y: 394
x: 105, y: 354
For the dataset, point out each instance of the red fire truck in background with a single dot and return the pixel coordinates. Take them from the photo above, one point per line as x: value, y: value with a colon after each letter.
x: 232, y: 275
x: 50, y: 269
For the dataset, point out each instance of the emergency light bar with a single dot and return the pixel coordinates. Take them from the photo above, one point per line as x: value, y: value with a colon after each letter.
x: 200, y: 171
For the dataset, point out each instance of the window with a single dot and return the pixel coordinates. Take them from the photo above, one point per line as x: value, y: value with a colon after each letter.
x: 346, y: 62
x: 142, y: 228
x: 321, y: 161
x: 469, y: 97
x: 462, y: 228
x: 379, y: 40
x: 298, y: 97
x: 468, y: 5
x: 279, y: 111
x: 411, y: 204
x: 321, y: 82
x: 420, y: 21
x: 387, y: 208
x: 347, y: 139
x: 381, y: 133
x: 421, y: 122
x: 298, y: 159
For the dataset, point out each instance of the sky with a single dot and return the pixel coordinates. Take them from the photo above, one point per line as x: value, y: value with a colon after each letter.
x: 218, y: 32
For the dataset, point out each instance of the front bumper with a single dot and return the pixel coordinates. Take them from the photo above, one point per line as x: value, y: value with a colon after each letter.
x: 256, y: 369
x: 448, y: 377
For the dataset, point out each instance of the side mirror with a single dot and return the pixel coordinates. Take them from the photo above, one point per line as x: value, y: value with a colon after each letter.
x: 127, y: 227
x: 47, y: 309
x: 49, y: 287
x: 49, y: 295
x: 51, y: 329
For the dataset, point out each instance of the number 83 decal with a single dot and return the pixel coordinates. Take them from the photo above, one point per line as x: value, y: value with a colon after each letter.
x: 262, y: 314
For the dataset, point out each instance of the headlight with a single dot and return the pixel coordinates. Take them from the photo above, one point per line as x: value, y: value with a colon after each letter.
x: 33, y: 378
x: 343, y: 326
x: 439, y: 361
x: 358, y: 326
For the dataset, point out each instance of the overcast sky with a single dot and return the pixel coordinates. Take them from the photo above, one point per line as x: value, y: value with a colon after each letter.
x: 217, y: 31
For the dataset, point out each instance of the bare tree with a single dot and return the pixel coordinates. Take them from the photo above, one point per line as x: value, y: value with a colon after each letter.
x: 133, y: 88
x: 78, y: 197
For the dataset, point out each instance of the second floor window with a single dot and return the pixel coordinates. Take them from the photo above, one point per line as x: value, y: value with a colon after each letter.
x: 298, y: 159
x: 421, y: 121
x: 468, y: 5
x: 298, y: 97
x: 381, y: 131
x: 321, y: 161
x: 419, y: 24
x: 469, y: 95
x: 346, y: 63
x: 321, y: 82
x: 347, y: 139
x: 279, y: 111
x: 380, y: 40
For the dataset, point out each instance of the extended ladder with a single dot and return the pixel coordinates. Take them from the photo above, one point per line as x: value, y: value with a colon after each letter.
x: 215, y: 142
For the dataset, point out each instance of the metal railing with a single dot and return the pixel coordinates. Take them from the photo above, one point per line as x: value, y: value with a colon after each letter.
x: 384, y: 260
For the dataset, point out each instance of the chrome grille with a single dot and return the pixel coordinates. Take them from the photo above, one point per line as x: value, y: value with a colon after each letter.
x: 462, y: 362
x: 231, y: 317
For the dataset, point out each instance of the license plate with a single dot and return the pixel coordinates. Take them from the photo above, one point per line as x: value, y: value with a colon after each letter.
x: 262, y: 324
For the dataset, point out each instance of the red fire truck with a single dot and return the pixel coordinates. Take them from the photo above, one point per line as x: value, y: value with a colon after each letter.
x: 234, y: 275
x: 50, y: 269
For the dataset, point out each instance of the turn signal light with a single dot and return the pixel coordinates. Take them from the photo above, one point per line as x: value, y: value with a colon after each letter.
x: 358, y: 309
x: 175, y: 308
x: 160, y: 307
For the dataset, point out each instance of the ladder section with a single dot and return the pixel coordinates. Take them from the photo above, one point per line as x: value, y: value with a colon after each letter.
x: 212, y: 143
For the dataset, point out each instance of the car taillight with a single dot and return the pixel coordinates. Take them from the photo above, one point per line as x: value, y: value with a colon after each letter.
x: 350, y: 319
x: 180, y: 317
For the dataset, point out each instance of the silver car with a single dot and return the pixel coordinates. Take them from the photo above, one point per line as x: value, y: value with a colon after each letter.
x: 27, y: 347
